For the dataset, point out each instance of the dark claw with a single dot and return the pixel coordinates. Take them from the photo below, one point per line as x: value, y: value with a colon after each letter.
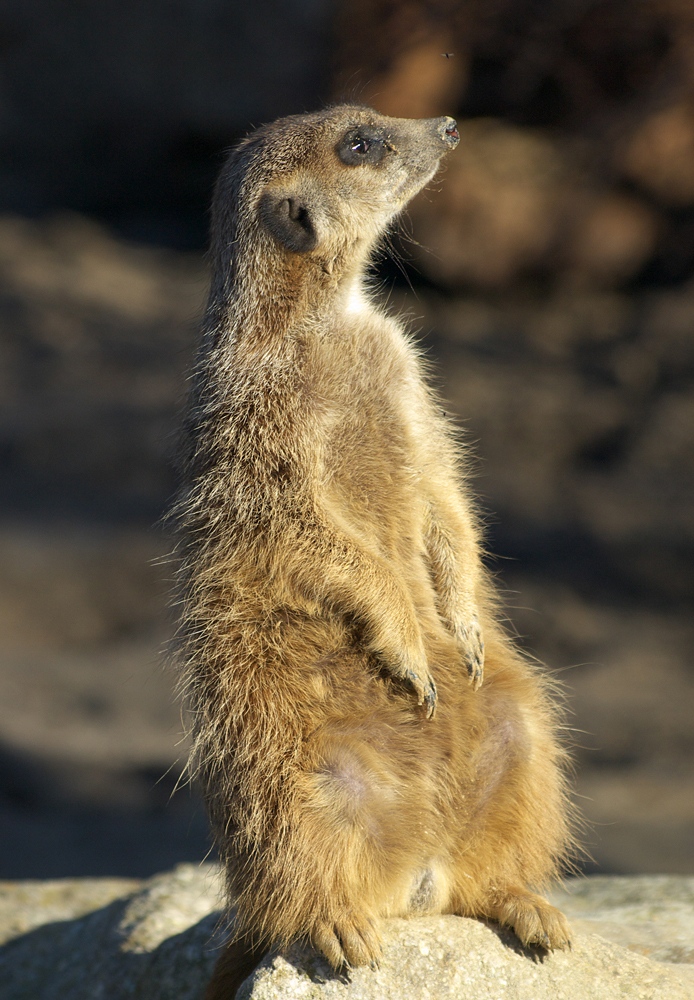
x: 475, y: 675
x: 413, y: 678
x: 471, y: 645
x: 475, y: 667
x: 430, y: 699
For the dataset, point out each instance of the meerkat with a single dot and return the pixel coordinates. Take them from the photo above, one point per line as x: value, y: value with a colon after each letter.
x: 336, y: 614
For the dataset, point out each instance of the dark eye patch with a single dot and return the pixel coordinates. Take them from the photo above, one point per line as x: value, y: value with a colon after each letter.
x: 362, y: 144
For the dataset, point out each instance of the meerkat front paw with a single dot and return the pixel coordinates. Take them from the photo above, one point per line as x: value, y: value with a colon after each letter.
x: 410, y: 666
x: 471, y: 644
x: 425, y: 689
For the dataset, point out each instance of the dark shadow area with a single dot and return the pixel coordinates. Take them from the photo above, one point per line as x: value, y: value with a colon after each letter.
x: 533, y: 953
x: 70, y: 821
x: 33, y: 964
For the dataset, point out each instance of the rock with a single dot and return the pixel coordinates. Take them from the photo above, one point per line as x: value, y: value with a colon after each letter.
x: 651, y: 914
x: 497, y: 212
x: 97, y: 939
x: 89, y: 939
x: 460, y: 959
x: 25, y: 906
x: 516, y: 202
x: 660, y: 155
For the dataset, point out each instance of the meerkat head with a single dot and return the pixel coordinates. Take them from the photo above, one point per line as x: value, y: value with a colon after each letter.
x: 324, y: 186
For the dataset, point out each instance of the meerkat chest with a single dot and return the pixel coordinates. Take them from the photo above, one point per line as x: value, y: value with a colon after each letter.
x: 374, y: 401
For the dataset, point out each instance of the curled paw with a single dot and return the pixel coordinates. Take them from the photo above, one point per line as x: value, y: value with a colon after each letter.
x: 535, y: 921
x: 348, y: 941
x: 425, y: 689
x: 471, y: 645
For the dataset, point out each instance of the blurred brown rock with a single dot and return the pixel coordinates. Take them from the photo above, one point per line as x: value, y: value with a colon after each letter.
x: 659, y: 156
x: 567, y: 103
x: 512, y: 203
x: 402, y: 57
x: 612, y: 237
x: 577, y: 65
x: 495, y: 212
x: 424, y: 79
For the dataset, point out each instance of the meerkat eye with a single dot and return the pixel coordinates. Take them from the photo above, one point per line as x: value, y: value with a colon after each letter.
x: 360, y: 146
x: 365, y: 144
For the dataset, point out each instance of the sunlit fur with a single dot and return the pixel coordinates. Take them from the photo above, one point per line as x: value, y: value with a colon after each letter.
x: 330, y: 569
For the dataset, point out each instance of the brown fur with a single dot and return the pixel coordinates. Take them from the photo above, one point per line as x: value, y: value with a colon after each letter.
x: 332, y: 589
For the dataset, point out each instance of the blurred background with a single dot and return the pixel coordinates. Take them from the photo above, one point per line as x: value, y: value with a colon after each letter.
x: 548, y: 271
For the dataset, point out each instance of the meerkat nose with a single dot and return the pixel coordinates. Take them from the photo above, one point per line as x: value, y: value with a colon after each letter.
x: 449, y: 132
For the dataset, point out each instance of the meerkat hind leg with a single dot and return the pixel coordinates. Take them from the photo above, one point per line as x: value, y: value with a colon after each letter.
x: 350, y: 941
x: 534, y: 921
x: 363, y: 816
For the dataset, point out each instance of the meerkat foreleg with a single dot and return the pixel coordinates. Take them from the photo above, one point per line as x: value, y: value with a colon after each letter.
x: 359, y: 582
x: 454, y: 564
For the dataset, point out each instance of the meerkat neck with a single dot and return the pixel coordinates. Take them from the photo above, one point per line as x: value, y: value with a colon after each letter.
x: 265, y: 305
x: 356, y: 299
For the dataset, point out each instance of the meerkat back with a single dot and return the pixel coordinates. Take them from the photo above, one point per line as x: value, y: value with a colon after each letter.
x: 337, y: 622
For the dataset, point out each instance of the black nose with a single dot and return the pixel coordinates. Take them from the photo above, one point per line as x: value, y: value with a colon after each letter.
x: 449, y: 132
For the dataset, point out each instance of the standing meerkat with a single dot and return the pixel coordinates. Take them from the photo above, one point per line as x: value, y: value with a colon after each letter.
x: 334, y: 603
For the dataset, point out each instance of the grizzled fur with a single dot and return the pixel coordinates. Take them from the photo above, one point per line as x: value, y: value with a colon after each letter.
x: 334, y: 604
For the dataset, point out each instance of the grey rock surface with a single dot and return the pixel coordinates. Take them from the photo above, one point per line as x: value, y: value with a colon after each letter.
x: 112, y: 939
x: 103, y: 939
x: 449, y: 958
x: 649, y: 914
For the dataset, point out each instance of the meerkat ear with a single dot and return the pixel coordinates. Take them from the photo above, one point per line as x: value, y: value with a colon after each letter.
x: 287, y: 215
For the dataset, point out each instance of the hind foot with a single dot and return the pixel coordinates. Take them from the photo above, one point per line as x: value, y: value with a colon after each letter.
x: 348, y: 941
x: 533, y: 919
